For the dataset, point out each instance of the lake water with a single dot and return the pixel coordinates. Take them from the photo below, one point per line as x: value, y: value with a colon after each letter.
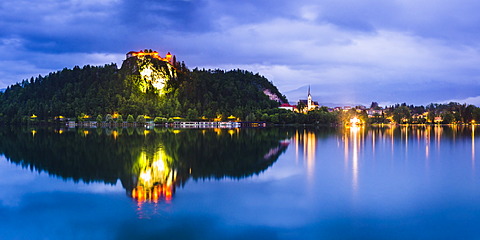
x: 409, y: 182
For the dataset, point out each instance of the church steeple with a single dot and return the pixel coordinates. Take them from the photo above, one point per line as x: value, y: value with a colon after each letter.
x: 309, y: 100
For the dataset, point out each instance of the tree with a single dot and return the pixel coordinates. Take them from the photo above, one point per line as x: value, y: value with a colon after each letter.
x: 99, y: 118
x: 130, y: 119
x: 402, y: 114
x: 141, y: 119
x: 192, y: 114
x: 301, y: 106
x: 119, y: 119
x: 374, y: 106
x: 157, y: 120
x: 109, y: 118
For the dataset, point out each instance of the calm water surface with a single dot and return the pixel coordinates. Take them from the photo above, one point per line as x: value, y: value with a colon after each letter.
x: 418, y: 182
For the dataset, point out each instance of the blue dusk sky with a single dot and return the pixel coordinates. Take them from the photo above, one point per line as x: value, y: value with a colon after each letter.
x: 348, y: 51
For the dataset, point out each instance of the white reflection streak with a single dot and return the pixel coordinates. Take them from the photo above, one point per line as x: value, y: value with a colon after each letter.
x: 354, y: 134
x: 373, y: 143
x: 473, y: 147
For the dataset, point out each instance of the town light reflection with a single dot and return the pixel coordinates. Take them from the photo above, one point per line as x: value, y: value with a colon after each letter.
x: 308, y: 140
x: 403, y: 140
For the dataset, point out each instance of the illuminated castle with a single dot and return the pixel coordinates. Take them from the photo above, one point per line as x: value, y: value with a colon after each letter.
x: 153, y: 54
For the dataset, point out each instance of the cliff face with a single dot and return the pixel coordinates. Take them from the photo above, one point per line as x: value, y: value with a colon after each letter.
x: 152, y: 72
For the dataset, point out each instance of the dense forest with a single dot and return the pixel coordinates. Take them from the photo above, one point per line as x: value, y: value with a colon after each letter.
x: 144, y: 86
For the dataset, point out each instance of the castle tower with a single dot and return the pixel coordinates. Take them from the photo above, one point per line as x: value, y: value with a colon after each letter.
x: 168, y: 57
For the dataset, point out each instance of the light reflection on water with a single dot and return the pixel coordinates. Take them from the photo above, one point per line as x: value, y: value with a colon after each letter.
x: 392, y: 182
x: 408, y: 145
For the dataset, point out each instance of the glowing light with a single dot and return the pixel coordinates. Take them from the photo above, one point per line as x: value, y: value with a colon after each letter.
x: 153, y: 54
x: 159, y: 165
x: 33, y: 133
x: 33, y: 116
x: 355, y: 121
x: 146, y: 176
x: 218, y: 118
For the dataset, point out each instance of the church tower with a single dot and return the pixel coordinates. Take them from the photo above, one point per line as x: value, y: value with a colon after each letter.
x: 309, y: 100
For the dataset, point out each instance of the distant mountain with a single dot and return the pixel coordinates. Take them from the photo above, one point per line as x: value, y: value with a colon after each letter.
x: 146, y: 84
x: 3, y: 90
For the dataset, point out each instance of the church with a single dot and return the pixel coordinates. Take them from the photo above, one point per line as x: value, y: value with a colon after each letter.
x: 309, y: 103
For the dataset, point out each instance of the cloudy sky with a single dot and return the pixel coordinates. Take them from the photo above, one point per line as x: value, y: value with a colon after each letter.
x: 348, y: 51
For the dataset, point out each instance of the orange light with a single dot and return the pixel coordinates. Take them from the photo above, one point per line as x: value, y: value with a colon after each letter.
x: 115, y: 134
x: 153, y: 55
x: 134, y: 193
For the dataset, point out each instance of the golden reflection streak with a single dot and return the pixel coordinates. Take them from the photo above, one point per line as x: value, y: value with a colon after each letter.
x: 406, y: 138
x: 346, y: 149
x: 438, y: 133
x: 311, y: 143
x: 427, y: 146
x: 297, y: 142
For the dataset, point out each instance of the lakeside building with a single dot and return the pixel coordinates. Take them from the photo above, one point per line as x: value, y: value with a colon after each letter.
x: 374, y: 112
x: 287, y: 106
x: 308, y: 103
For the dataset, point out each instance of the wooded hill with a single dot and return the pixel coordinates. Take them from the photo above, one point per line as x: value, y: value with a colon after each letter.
x: 142, y: 86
